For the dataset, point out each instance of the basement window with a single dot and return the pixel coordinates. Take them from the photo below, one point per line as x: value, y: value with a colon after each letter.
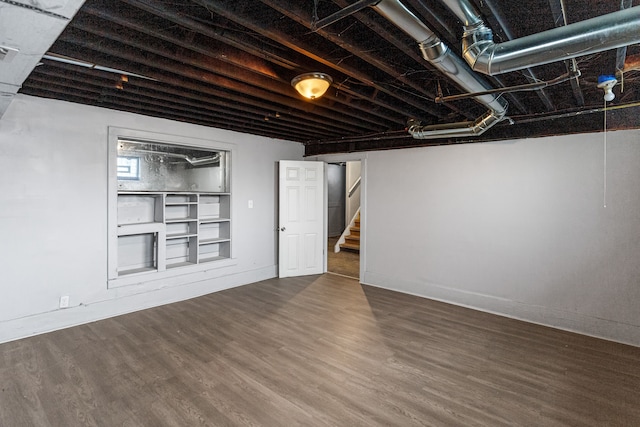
x: 128, y: 168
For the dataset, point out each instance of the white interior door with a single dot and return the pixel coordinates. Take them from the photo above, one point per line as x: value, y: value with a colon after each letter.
x: 301, y: 249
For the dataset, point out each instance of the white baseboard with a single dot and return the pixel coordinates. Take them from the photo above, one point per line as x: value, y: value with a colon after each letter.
x: 559, y: 319
x: 126, y: 303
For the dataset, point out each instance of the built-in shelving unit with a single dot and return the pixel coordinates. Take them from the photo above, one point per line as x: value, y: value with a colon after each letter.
x: 158, y: 231
x: 169, y: 208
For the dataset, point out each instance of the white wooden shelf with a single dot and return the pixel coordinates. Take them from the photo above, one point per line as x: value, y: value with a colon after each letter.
x: 212, y: 259
x: 140, y: 228
x: 171, y: 230
x: 180, y: 264
x: 136, y: 271
x: 206, y: 220
x: 212, y: 241
x: 175, y: 220
x: 181, y: 235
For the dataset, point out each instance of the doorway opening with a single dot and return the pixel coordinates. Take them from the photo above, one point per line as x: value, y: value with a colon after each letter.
x: 343, y: 224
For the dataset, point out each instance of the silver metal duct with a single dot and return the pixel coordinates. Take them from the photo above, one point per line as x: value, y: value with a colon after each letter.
x: 441, y: 57
x: 594, y: 35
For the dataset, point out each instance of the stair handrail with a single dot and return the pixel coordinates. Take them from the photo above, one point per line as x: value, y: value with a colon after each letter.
x: 354, y: 187
x: 346, y: 232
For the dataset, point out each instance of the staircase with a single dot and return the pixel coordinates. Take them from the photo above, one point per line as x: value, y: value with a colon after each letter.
x: 352, y: 240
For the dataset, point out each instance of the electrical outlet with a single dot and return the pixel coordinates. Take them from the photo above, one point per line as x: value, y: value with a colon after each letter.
x: 64, y: 301
x: 250, y: 204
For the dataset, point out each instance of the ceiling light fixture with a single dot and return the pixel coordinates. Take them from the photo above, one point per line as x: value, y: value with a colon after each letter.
x: 312, y: 85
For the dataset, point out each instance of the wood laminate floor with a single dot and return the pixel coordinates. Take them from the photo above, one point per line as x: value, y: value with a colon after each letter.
x: 316, y: 351
x: 345, y: 262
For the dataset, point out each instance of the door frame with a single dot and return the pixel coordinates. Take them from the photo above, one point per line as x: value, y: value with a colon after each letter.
x: 348, y: 157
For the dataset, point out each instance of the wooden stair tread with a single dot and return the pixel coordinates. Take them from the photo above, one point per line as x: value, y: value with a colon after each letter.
x: 350, y: 246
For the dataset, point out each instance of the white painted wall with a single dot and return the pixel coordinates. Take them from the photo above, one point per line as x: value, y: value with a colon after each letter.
x: 517, y: 228
x: 354, y: 171
x: 53, y: 215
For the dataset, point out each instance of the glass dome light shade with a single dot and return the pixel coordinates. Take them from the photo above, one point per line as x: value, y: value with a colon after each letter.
x: 312, y: 85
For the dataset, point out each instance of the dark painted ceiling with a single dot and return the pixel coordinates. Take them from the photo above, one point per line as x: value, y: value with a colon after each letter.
x: 228, y: 64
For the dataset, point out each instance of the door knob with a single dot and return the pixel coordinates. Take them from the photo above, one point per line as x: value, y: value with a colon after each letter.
x: 282, y: 229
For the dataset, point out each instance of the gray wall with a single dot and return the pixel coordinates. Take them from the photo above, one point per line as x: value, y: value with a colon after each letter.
x: 53, y: 215
x: 517, y: 228
x: 335, y: 199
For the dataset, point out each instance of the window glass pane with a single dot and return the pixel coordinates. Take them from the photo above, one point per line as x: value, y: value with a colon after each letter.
x: 128, y: 167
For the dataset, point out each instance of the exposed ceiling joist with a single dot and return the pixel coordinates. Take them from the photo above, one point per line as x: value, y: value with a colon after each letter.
x: 229, y: 63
